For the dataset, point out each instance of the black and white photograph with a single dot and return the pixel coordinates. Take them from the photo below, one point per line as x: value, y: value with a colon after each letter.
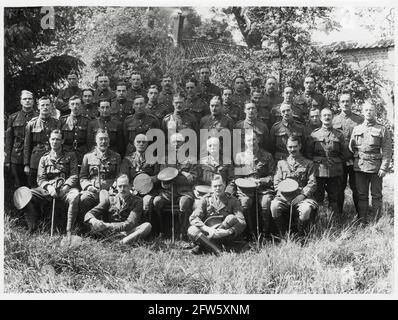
x: 206, y: 149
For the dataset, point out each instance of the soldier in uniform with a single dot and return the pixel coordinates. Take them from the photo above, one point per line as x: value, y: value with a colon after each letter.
x: 281, y: 130
x: 345, y: 122
x: 257, y: 164
x: 230, y: 109
x: 153, y: 107
x: 271, y: 97
x: 194, y: 103
x: 207, y: 89
x: 371, y: 144
x: 311, y: 98
x: 57, y: 177
x: 140, y: 122
x: 104, y: 121
x: 121, y: 107
x: 314, y: 122
x: 61, y: 103
x: 103, y: 91
x: 37, y: 134
x: 300, y: 204
x: 240, y: 97
x: 327, y: 148
x: 119, y: 214
x: 136, y: 87
x: 252, y: 122
x: 179, y: 119
x: 216, y: 120
x: 166, y: 95
x: 90, y: 109
x: 188, y: 171
x: 15, y: 136
x: 263, y: 111
x: 300, y: 113
x: 99, y: 170
x: 228, y: 220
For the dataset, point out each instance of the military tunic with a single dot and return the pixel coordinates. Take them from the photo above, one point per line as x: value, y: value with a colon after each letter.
x: 166, y: 98
x: 279, y: 134
x: 159, y: 110
x: 103, y: 94
x: 309, y: 100
x: 133, y: 92
x: 65, y: 94
x: 209, y: 167
x: 197, y: 107
x: 90, y: 110
x: 208, y: 90
x: 135, y: 163
x: 121, y: 109
x: 234, y: 111
x: 240, y: 99
x: 259, y: 128
x: 179, y: 121
x: 267, y: 104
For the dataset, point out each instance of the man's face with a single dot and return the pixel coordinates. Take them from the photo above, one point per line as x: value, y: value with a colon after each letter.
x: 103, y: 82
x: 204, y: 74
x: 256, y: 97
x: 345, y: 103
x: 213, y: 146
x: 56, y: 141
x: 74, y: 106
x: 73, y: 80
x: 27, y: 101
x: 190, y: 87
x: 218, y: 187
x: 215, y: 107
x: 288, y: 94
x: 140, y: 144
x: 369, y: 112
x: 102, y: 141
x: 251, y: 142
x: 293, y: 147
x: 315, y: 118
x: 177, y: 142
x: 239, y: 85
x: 178, y: 103
x: 153, y: 95
x: 121, y: 92
x: 286, y: 112
x: 226, y: 96
x: 250, y: 110
x: 166, y: 83
x: 270, y: 86
x: 104, y: 109
x: 87, y: 97
x: 326, y: 117
x: 139, y: 105
x: 123, y: 186
x: 309, y: 84
x: 45, y: 107
x: 136, y: 81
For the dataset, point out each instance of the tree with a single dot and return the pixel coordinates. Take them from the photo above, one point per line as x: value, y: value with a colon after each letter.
x: 214, y: 30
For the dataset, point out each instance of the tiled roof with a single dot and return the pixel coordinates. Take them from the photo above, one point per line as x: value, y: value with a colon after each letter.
x: 354, y: 45
x: 198, y: 48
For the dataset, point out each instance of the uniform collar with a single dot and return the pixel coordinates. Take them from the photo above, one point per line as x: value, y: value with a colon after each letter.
x: 345, y: 115
x: 100, y: 154
x: 54, y: 156
x: 369, y: 123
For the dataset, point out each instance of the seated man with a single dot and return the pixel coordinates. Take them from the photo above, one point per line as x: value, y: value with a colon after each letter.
x: 302, y: 207
x: 218, y: 219
x: 120, y: 213
x: 57, y: 178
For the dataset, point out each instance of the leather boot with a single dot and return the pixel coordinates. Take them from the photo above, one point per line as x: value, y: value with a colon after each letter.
x: 265, y: 216
x: 280, y: 225
x: 207, y: 244
x: 31, y: 216
x: 363, y: 208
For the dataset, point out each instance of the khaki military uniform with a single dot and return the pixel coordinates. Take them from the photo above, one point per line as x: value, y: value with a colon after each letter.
x: 178, y: 121
x: 208, y: 90
x: 209, y: 167
x: 371, y: 144
x: 65, y: 94
x: 115, y: 131
x: 74, y: 130
x: 197, y: 107
x: 307, y: 100
x: 90, y: 110
x: 106, y: 94
x: 234, y: 111
x: 259, y: 128
x: 133, y: 92
x: 267, y: 104
x: 121, y: 109
x: 159, y: 110
x: 279, y: 134
x: 14, y: 145
x: 309, y: 128
x: 346, y: 123
x: 166, y: 98
x: 240, y: 99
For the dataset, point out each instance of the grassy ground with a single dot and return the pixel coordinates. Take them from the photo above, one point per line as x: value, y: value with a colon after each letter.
x: 337, y: 257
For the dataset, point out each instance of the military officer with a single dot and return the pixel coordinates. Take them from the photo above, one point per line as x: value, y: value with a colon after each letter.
x: 194, y: 104
x: 104, y: 121
x: 257, y: 164
x: 140, y: 122
x: 327, y: 148
x: 281, y: 130
x: 136, y: 87
x: 37, y: 134
x: 263, y: 110
x: 300, y: 203
x: 251, y: 122
x: 99, y: 170
x: 207, y: 89
x: 311, y: 98
x: 15, y: 136
x: 371, y: 144
x: 57, y: 177
x: 230, y: 109
x: 216, y: 120
x: 90, y: 109
x: 74, y: 129
x: 61, y: 103
x: 240, y: 96
x: 217, y: 220
x: 345, y: 122
x: 103, y: 91
x: 314, y: 122
x: 119, y: 214
x: 159, y: 110
x: 167, y: 92
x: 179, y: 119
x: 121, y: 107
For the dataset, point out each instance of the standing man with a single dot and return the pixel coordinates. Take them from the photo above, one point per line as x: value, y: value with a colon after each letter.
x: 230, y: 109
x: 112, y: 126
x: 300, y: 204
x: 90, y: 109
x: 121, y: 107
x: 179, y: 119
x: 15, y: 136
x: 153, y: 107
x: 103, y: 91
x: 314, y: 122
x: 140, y: 122
x: 136, y: 87
x: 271, y: 96
x: 371, y: 144
x: 240, y: 97
x: 311, y: 98
x: 300, y: 115
x: 74, y: 129
x: 37, y: 136
x: 328, y: 149
x: 346, y: 121
x: 61, y: 103
x: 166, y: 95
x: 216, y: 120
x: 207, y: 89
x: 194, y: 103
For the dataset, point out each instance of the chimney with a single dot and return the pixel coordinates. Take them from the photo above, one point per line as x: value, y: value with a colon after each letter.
x: 178, y: 24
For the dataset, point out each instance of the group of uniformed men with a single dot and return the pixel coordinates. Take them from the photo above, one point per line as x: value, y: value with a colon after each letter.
x: 90, y: 156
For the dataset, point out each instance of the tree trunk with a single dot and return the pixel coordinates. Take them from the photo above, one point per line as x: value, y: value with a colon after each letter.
x: 252, y: 38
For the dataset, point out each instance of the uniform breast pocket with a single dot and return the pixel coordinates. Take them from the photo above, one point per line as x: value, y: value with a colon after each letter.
x: 335, y: 144
x: 281, y: 138
x: 358, y: 137
x: 375, y: 137
x: 38, y: 135
x: 81, y: 133
x: 112, y: 133
x: 19, y: 129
